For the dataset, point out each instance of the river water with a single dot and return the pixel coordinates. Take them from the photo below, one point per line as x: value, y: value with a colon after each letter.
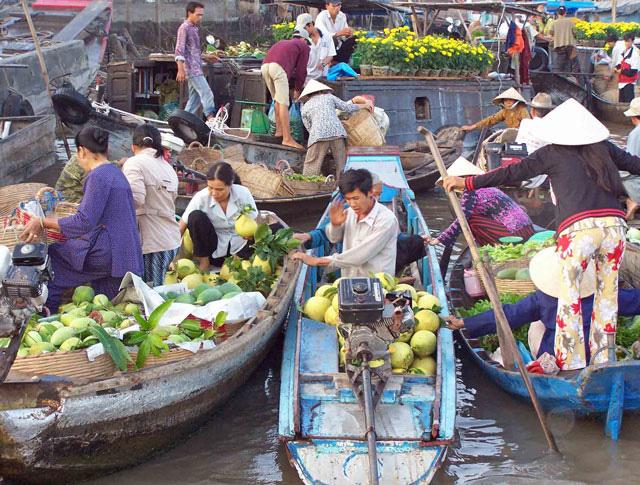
x: 498, y: 437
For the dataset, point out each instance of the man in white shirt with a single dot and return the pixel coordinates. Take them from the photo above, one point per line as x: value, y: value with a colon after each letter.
x: 367, y: 229
x: 321, y: 54
x: 333, y: 23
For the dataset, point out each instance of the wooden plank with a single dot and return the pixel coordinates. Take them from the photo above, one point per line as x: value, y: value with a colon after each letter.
x: 81, y: 21
x: 319, y: 348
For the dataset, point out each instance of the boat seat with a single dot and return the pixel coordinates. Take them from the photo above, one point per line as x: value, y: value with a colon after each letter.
x: 319, y: 348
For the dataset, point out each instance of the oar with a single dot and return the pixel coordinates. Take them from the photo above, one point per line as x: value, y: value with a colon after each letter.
x: 505, y: 336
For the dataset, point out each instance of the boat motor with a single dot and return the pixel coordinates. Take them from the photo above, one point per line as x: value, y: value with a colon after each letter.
x: 23, y: 291
x: 371, y: 322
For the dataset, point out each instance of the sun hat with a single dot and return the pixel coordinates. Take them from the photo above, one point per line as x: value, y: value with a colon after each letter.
x: 302, y: 33
x: 461, y: 168
x: 634, y: 108
x: 545, y: 273
x: 541, y: 101
x: 572, y: 124
x: 313, y: 86
x: 510, y: 93
x: 302, y: 20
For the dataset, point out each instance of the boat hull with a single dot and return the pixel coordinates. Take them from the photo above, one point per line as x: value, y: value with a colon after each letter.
x: 68, y: 432
x: 347, y: 462
x: 29, y: 149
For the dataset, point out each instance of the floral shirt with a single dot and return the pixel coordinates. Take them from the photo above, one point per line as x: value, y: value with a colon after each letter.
x: 320, y: 118
x: 493, y: 204
x: 188, y: 48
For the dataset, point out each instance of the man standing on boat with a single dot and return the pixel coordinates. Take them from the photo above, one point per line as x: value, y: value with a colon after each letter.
x: 626, y: 67
x: 563, y: 31
x: 189, y: 60
x: 367, y: 229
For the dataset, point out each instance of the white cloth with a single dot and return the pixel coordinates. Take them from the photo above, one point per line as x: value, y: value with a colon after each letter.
x: 317, y: 53
x: 616, y: 53
x: 223, y: 223
x: 327, y: 26
x: 527, y: 134
x: 368, y: 246
x: 154, y: 185
x: 632, y: 182
x: 633, y: 60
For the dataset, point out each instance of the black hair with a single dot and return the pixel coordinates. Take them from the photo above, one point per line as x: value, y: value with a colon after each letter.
x: 191, y: 7
x: 612, y: 37
x: 628, y: 36
x: 93, y: 139
x: 148, y: 136
x: 356, y: 179
x: 224, y: 172
x: 601, y: 168
x: 542, y: 112
x: 562, y: 10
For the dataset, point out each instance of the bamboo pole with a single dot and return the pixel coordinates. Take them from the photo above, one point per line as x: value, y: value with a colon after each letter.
x: 43, y: 69
x: 614, y: 10
x: 505, y: 336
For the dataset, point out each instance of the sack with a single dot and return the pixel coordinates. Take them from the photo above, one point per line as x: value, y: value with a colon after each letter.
x: 363, y: 130
x: 295, y: 122
x: 342, y: 69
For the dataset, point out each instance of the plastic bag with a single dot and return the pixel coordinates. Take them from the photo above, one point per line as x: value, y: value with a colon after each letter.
x: 295, y: 123
x: 272, y: 118
x: 382, y: 119
x: 342, y: 69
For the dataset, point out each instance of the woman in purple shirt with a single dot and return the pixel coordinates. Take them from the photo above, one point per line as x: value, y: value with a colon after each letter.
x: 102, y: 241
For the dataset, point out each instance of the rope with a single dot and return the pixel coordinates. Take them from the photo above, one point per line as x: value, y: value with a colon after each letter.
x: 218, y: 126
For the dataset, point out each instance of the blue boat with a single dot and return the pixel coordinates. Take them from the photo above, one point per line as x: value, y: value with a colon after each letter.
x: 598, y: 390
x: 321, y: 421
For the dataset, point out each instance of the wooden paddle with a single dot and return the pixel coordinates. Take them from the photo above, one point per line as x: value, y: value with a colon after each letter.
x: 510, y: 353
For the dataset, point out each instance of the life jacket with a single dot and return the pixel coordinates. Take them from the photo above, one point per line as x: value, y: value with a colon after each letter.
x: 623, y: 79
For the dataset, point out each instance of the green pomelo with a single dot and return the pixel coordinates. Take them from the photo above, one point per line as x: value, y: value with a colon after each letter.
x: 428, y: 302
x: 423, y: 343
x: 83, y: 294
x: 427, y: 365
x: 401, y: 355
x: 427, y: 320
x: 185, y: 267
x: 192, y: 280
x: 315, y: 307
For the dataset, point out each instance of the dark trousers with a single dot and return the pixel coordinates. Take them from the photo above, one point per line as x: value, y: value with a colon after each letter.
x: 627, y: 93
x: 205, y: 239
x: 409, y: 248
x: 343, y: 54
x: 566, y: 60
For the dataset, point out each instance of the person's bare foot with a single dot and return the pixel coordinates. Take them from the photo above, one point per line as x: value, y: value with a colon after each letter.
x: 293, y: 144
x: 632, y: 207
x: 203, y: 263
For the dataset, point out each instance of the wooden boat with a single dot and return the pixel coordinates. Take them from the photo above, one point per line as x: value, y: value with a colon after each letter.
x: 321, y: 423
x: 604, y: 389
x: 630, y: 264
x: 62, y: 430
x: 27, y: 148
x: 608, y: 111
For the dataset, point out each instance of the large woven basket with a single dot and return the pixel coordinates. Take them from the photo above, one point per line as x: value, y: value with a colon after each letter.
x: 517, y: 287
x: 200, y: 158
x: 12, y: 195
x: 363, y: 130
x: 52, y: 207
x: 303, y: 187
x: 66, y: 364
x: 261, y: 181
x: 173, y: 355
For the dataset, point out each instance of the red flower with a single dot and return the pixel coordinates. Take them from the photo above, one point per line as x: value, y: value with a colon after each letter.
x: 584, y: 264
x: 563, y: 243
x: 576, y: 307
x: 609, y: 328
x: 559, y: 360
x: 560, y: 322
x: 616, y: 255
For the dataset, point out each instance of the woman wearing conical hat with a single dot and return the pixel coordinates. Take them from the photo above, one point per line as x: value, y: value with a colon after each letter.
x: 583, y: 168
x: 491, y: 213
x: 514, y: 110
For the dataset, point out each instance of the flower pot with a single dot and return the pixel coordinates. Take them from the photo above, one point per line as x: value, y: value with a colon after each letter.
x: 380, y: 70
x: 394, y: 71
x: 436, y: 72
x: 445, y: 72
x: 366, y: 70
x: 411, y: 72
x: 424, y: 73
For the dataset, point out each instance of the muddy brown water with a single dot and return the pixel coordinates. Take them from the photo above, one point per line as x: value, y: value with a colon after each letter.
x: 498, y: 437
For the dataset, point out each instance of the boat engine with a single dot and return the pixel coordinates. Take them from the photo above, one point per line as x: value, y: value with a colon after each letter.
x: 505, y: 154
x: 372, y: 322
x: 23, y: 291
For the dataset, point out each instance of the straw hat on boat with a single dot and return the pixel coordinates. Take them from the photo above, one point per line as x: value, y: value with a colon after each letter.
x: 312, y: 87
x: 541, y: 101
x: 461, y: 168
x: 572, y: 124
x: 510, y: 93
x: 545, y: 273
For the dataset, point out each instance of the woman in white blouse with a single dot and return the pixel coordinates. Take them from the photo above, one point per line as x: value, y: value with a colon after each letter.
x: 211, y: 214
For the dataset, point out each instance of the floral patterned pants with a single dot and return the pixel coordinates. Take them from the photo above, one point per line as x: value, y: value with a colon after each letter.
x: 602, y: 239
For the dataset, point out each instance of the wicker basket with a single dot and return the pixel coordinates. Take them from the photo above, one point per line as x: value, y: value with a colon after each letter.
x: 53, y: 206
x: 363, y: 130
x: 66, y: 364
x: 262, y: 182
x: 12, y: 195
x: 301, y: 187
x: 200, y: 158
x: 173, y: 355
x: 517, y: 287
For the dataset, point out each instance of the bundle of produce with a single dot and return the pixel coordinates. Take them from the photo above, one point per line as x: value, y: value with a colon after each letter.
x: 309, y: 184
x: 501, y: 253
x: 244, y: 49
x: 413, y: 351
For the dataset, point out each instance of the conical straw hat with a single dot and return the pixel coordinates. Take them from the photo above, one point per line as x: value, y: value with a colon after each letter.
x: 313, y: 86
x: 461, y: 168
x: 572, y: 124
x: 545, y: 273
x: 510, y: 93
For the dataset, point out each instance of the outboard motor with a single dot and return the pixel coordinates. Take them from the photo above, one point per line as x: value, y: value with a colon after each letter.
x: 372, y: 322
x: 23, y: 291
